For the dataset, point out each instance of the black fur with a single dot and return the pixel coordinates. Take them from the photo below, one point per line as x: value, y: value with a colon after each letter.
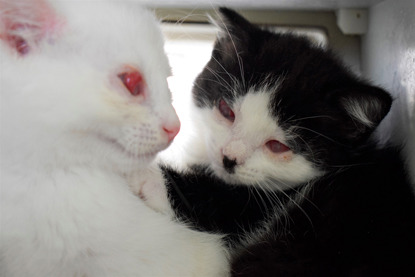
x: 200, y: 198
x: 356, y: 220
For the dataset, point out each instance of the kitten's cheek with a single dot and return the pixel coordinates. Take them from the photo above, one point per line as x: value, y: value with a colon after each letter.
x: 282, y: 157
x: 117, y: 87
x: 286, y: 157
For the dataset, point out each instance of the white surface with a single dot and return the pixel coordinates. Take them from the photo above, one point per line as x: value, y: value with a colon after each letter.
x: 352, y: 21
x: 264, y: 4
x: 388, y: 58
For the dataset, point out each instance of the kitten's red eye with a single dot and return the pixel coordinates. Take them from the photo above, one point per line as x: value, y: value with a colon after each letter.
x: 276, y: 146
x: 226, y: 111
x: 133, y: 81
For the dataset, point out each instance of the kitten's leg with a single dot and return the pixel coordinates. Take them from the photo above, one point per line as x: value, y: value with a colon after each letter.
x: 149, y: 185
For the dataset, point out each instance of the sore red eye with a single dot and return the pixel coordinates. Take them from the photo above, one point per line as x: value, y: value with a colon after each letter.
x: 133, y: 81
x: 226, y: 111
x: 277, y: 147
x: 20, y: 44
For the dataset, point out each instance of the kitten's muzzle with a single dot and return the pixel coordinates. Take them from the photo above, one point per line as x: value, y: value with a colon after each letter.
x: 229, y: 164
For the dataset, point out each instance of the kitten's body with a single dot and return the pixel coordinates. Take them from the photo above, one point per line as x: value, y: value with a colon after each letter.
x: 357, y: 222
x: 282, y: 162
x: 74, y: 130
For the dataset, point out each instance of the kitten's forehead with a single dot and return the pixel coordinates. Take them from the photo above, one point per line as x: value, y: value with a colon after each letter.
x: 255, y: 119
x: 254, y: 106
x: 111, y: 32
x: 112, y: 35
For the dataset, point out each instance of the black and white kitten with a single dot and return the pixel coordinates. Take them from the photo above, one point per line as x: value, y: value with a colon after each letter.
x: 282, y: 161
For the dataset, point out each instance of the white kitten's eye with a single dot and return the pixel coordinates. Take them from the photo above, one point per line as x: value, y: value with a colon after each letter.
x: 133, y: 81
x: 276, y: 147
x: 226, y: 111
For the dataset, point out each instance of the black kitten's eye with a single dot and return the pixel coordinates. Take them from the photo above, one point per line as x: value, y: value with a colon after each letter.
x: 226, y: 111
x: 277, y: 147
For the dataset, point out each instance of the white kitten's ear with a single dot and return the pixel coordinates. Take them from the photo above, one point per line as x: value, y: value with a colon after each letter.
x: 23, y: 23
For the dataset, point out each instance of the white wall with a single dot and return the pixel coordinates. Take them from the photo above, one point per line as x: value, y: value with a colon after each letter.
x: 388, y: 59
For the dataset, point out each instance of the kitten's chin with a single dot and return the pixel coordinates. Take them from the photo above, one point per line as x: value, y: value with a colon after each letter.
x: 130, y: 155
x: 127, y: 166
x: 233, y: 178
x: 114, y: 156
x: 124, y: 163
x: 245, y: 177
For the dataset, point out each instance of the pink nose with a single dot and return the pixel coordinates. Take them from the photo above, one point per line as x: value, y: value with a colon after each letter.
x: 171, y: 131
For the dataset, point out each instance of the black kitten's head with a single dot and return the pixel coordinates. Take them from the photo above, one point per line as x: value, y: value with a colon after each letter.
x: 279, y: 108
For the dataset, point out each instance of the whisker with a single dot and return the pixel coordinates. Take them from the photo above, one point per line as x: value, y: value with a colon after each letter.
x: 280, y: 208
x: 218, y: 76
x: 310, y: 149
x: 314, y: 117
x: 300, y: 192
x: 293, y: 201
x: 315, y: 132
x: 230, y: 75
x: 240, y: 63
x: 216, y: 82
x: 261, y: 198
x: 344, y: 166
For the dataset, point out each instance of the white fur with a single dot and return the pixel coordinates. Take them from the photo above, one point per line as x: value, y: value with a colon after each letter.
x: 244, y: 140
x: 72, y: 141
x: 359, y: 109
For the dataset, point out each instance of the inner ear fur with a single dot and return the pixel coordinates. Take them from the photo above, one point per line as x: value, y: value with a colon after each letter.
x: 365, y: 107
x: 24, y: 23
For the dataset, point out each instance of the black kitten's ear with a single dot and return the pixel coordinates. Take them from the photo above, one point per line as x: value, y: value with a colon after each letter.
x: 233, y: 23
x: 234, y: 32
x: 365, y: 106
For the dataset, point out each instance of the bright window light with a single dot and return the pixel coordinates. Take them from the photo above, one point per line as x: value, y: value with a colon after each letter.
x: 188, y: 47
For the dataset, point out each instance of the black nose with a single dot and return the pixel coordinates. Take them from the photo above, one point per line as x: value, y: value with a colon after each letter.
x: 229, y: 164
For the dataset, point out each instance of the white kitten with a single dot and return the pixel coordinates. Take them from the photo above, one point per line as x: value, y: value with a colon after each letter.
x: 84, y: 101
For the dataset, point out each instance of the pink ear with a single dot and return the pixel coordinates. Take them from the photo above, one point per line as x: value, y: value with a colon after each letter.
x: 23, y: 23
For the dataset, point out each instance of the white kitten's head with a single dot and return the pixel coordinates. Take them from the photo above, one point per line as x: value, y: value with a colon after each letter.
x: 83, y: 82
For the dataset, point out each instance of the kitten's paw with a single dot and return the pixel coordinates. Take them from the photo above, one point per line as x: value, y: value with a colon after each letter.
x: 149, y: 185
x: 154, y: 195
